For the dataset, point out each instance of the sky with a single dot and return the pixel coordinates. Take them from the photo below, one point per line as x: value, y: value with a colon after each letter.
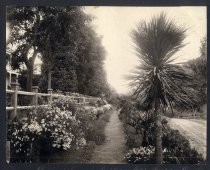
x: 114, y: 24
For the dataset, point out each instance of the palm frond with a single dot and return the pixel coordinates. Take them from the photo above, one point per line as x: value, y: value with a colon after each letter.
x: 156, y: 42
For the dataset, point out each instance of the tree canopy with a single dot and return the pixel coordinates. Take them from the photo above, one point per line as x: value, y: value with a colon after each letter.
x: 71, y: 52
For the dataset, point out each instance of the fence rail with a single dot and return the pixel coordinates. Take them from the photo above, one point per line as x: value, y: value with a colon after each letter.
x: 79, y: 100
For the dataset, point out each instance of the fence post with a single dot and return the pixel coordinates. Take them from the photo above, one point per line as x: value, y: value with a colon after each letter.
x: 35, y: 98
x: 83, y: 101
x: 14, y: 87
x: 8, y: 151
x: 50, y: 97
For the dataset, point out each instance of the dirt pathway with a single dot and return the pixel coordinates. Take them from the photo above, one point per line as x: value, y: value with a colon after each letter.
x: 112, y: 151
x: 194, y: 130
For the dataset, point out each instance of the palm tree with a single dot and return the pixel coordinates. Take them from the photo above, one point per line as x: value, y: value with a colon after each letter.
x: 157, y: 81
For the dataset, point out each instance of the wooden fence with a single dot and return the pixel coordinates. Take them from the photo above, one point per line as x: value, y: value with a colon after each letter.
x: 79, y: 100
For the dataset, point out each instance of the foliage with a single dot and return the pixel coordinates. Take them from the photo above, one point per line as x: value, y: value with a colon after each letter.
x: 22, y: 79
x: 60, y: 45
x: 90, y: 70
x: 49, y: 127
x: 145, y: 155
x: 61, y: 126
x: 23, y: 24
x: 69, y: 47
x: 156, y: 81
x: 198, y: 69
x: 156, y: 42
x: 127, y: 110
x: 76, y: 62
x: 140, y: 155
x: 176, y: 148
x: 95, y: 131
x: 71, y: 52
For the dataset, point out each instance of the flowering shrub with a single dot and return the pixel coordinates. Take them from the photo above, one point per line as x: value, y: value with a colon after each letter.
x: 140, y: 155
x: 45, y: 124
x: 95, y: 112
x: 61, y: 126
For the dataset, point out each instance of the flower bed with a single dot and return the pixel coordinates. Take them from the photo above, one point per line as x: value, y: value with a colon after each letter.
x: 61, y: 126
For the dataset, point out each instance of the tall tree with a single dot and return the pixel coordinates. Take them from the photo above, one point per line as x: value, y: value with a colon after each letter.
x: 78, y: 67
x: 24, y: 22
x: 63, y: 39
x: 51, y: 31
x: 90, y: 70
x: 60, y: 37
x: 71, y: 52
x: 158, y: 83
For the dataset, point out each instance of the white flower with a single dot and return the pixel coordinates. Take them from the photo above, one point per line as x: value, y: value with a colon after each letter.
x: 34, y: 126
x: 25, y: 125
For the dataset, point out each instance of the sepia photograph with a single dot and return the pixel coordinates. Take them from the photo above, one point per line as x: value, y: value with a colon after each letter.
x: 106, y: 84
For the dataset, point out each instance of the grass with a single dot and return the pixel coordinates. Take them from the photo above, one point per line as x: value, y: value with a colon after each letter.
x: 96, y: 132
x: 83, y: 155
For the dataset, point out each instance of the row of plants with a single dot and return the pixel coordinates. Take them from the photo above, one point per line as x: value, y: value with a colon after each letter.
x: 94, y: 135
x: 139, y: 124
x: 45, y: 131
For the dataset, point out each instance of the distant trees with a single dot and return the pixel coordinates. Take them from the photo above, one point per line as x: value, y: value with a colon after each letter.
x: 158, y: 83
x: 90, y: 70
x: 198, y: 69
x: 70, y: 50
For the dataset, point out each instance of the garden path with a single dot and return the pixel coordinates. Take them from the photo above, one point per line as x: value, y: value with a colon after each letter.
x: 194, y: 130
x: 112, y: 151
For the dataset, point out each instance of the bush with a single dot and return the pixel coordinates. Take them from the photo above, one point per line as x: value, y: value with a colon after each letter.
x: 176, y: 148
x: 49, y: 129
x: 61, y: 126
x: 95, y: 131
x: 101, y: 102
x: 141, y: 155
x: 93, y: 103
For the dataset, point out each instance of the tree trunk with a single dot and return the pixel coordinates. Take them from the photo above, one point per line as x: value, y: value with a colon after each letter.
x: 30, y: 70
x: 50, y: 62
x: 29, y: 79
x: 49, y: 78
x: 158, y: 134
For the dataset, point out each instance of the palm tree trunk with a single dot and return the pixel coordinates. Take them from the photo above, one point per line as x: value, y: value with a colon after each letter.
x: 158, y: 134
